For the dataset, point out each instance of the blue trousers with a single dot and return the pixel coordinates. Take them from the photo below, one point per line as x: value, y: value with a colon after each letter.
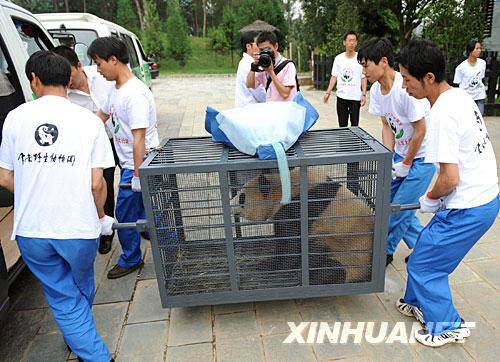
x: 406, y: 190
x: 129, y: 208
x: 442, y: 245
x: 65, y: 267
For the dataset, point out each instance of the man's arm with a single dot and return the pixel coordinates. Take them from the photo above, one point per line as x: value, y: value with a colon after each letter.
x: 364, y: 85
x: 7, y: 179
x: 99, y: 190
x: 333, y: 80
x: 251, y: 79
x: 283, y: 90
x: 387, y: 135
x: 139, y: 147
x: 448, y: 179
x: 102, y: 115
x: 416, y: 140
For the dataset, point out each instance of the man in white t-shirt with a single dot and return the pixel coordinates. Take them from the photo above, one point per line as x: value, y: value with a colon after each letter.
x: 464, y: 197
x: 244, y: 95
x: 347, y: 73
x: 55, y: 172
x: 131, y: 108
x: 89, y: 90
x: 403, y: 132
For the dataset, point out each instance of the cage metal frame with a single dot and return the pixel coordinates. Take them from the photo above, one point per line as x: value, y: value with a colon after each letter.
x: 223, y: 167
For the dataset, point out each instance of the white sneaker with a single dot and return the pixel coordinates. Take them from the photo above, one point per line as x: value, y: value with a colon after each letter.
x: 457, y: 335
x: 409, y: 310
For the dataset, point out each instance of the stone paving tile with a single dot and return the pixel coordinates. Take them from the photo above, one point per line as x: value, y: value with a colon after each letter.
x: 109, y: 319
x: 390, y: 351
x: 148, y: 270
x: 143, y: 342
x: 484, y: 334
x: 147, y: 294
x: 190, y: 325
x: 395, y: 287
x: 28, y: 292
x: 47, y: 347
x: 463, y: 274
x: 247, y: 349
x: 450, y: 352
x: 232, y: 308
x: 235, y: 325
x: 321, y: 309
x: 476, y: 253
x: 202, y: 352
x: 356, y: 307
x: 492, y: 249
x: 272, y: 317
x: 483, y: 298
x: 328, y: 351
x: 17, y: 331
x: 489, y: 269
x: 276, y: 350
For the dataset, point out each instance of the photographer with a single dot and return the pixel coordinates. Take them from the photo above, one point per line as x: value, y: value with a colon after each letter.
x: 274, y: 71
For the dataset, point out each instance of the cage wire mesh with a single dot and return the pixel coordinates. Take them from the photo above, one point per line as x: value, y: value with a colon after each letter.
x: 336, y: 216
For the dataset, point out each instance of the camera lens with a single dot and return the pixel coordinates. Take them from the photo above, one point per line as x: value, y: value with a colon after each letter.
x: 265, y: 60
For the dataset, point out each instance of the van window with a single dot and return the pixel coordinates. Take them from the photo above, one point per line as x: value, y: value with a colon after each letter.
x: 134, y: 62
x: 33, y: 38
x: 141, y: 50
x: 82, y: 36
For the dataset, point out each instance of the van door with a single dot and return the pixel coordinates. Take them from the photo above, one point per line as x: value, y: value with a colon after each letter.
x: 144, y: 62
x: 133, y: 58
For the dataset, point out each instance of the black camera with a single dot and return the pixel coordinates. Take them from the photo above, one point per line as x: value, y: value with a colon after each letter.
x: 266, y: 57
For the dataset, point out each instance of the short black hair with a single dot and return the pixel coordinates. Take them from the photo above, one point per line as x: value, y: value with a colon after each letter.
x: 267, y: 36
x: 67, y: 53
x: 108, y: 46
x: 422, y: 56
x: 375, y: 49
x: 350, y: 32
x: 247, y: 38
x: 471, y: 45
x: 51, y: 68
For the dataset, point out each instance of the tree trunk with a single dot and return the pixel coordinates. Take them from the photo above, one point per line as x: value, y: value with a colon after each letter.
x: 204, y: 5
x: 66, y: 5
x: 196, y: 26
x: 56, y: 8
x: 84, y: 6
x: 139, y: 14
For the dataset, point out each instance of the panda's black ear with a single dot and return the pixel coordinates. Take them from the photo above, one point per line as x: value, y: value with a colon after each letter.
x: 264, y: 185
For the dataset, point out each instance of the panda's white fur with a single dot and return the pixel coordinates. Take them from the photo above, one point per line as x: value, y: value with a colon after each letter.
x: 344, y: 213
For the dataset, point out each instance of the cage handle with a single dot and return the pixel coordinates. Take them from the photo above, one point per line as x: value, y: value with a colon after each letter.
x: 126, y: 186
x: 141, y: 225
x: 397, y: 208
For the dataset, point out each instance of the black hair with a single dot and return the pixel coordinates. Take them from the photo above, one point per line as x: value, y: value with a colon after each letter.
x: 108, y: 46
x: 267, y: 36
x: 471, y: 45
x: 51, y: 68
x: 247, y: 38
x: 422, y: 56
x: 67, y: 53
x: 350, y: 32
x: 375, y: 49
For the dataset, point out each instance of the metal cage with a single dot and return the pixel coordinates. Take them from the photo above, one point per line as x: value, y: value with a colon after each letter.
x: 329, y: 240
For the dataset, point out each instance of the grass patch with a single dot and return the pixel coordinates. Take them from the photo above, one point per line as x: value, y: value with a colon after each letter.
x: 201, y: 61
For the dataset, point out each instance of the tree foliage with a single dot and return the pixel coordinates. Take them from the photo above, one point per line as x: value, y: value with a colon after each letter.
x: 126, y: 16
x: 152, y: 38
x: 318, y: 15
x: 178, y: 47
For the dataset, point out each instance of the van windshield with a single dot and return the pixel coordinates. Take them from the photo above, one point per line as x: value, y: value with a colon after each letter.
x: 82, y: 36
x: 32, y: 36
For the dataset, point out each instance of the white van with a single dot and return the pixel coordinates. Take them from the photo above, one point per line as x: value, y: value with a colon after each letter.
x: 83, y: 28
x: 21, y: 34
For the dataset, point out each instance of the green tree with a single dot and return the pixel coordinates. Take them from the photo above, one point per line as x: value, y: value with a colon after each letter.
x: 178, y: 47
x: 318, y: 16
x: 152, y: 38
x: 451, y: 23
x: 347, y: 19
x: 126, y: 17
x: 218, y: 42
x: 229, y: 27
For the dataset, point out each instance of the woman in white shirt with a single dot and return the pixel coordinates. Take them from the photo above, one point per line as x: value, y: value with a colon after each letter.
x: 470, y: 73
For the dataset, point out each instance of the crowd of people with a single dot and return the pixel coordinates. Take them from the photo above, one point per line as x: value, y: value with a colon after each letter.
x: 46, y: 160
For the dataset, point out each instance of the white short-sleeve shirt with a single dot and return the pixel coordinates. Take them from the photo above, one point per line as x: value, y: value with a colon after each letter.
x: 400, y: 110
x: 349, y: 74
x: 52, y: 146
x: 457, y: 134
x: 131, y: 107
x: 244, y: 95
x: 470, y: 78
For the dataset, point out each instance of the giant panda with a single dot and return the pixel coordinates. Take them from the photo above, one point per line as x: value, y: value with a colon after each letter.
x: 259, y: 200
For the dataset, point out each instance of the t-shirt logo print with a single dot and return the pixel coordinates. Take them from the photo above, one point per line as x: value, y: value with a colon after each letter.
x: 474, y: 81
x: 346, y: 75
x: 46, y: 134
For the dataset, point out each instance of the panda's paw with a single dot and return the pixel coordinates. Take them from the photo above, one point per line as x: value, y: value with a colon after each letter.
x: 331, y: 272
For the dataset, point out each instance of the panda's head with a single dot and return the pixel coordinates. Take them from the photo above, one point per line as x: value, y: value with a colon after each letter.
x: 259, y: 198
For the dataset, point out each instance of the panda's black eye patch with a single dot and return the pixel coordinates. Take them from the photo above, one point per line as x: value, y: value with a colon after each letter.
x: 242, y: 198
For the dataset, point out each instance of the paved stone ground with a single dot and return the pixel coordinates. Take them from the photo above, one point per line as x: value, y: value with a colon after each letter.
x: 133, y: 325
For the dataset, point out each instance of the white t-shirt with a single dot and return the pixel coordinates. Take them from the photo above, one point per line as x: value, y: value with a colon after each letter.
x: 470, y: 78
x: 244, y: 95
x: 52, y: 145
x: 457, y: 134
x: 99, y: 89
x: 349, y: 74
x: 131, y: 107
x: 399, y: 109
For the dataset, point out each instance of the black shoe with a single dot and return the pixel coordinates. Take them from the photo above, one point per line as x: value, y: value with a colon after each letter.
x: 389, y: 259
x: 145, y: 235
x: 407, y: 258
x: 119, y: 271
x: 105, y: 244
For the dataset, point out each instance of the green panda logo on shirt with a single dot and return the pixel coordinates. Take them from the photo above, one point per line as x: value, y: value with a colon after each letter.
x: 347, y: 75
